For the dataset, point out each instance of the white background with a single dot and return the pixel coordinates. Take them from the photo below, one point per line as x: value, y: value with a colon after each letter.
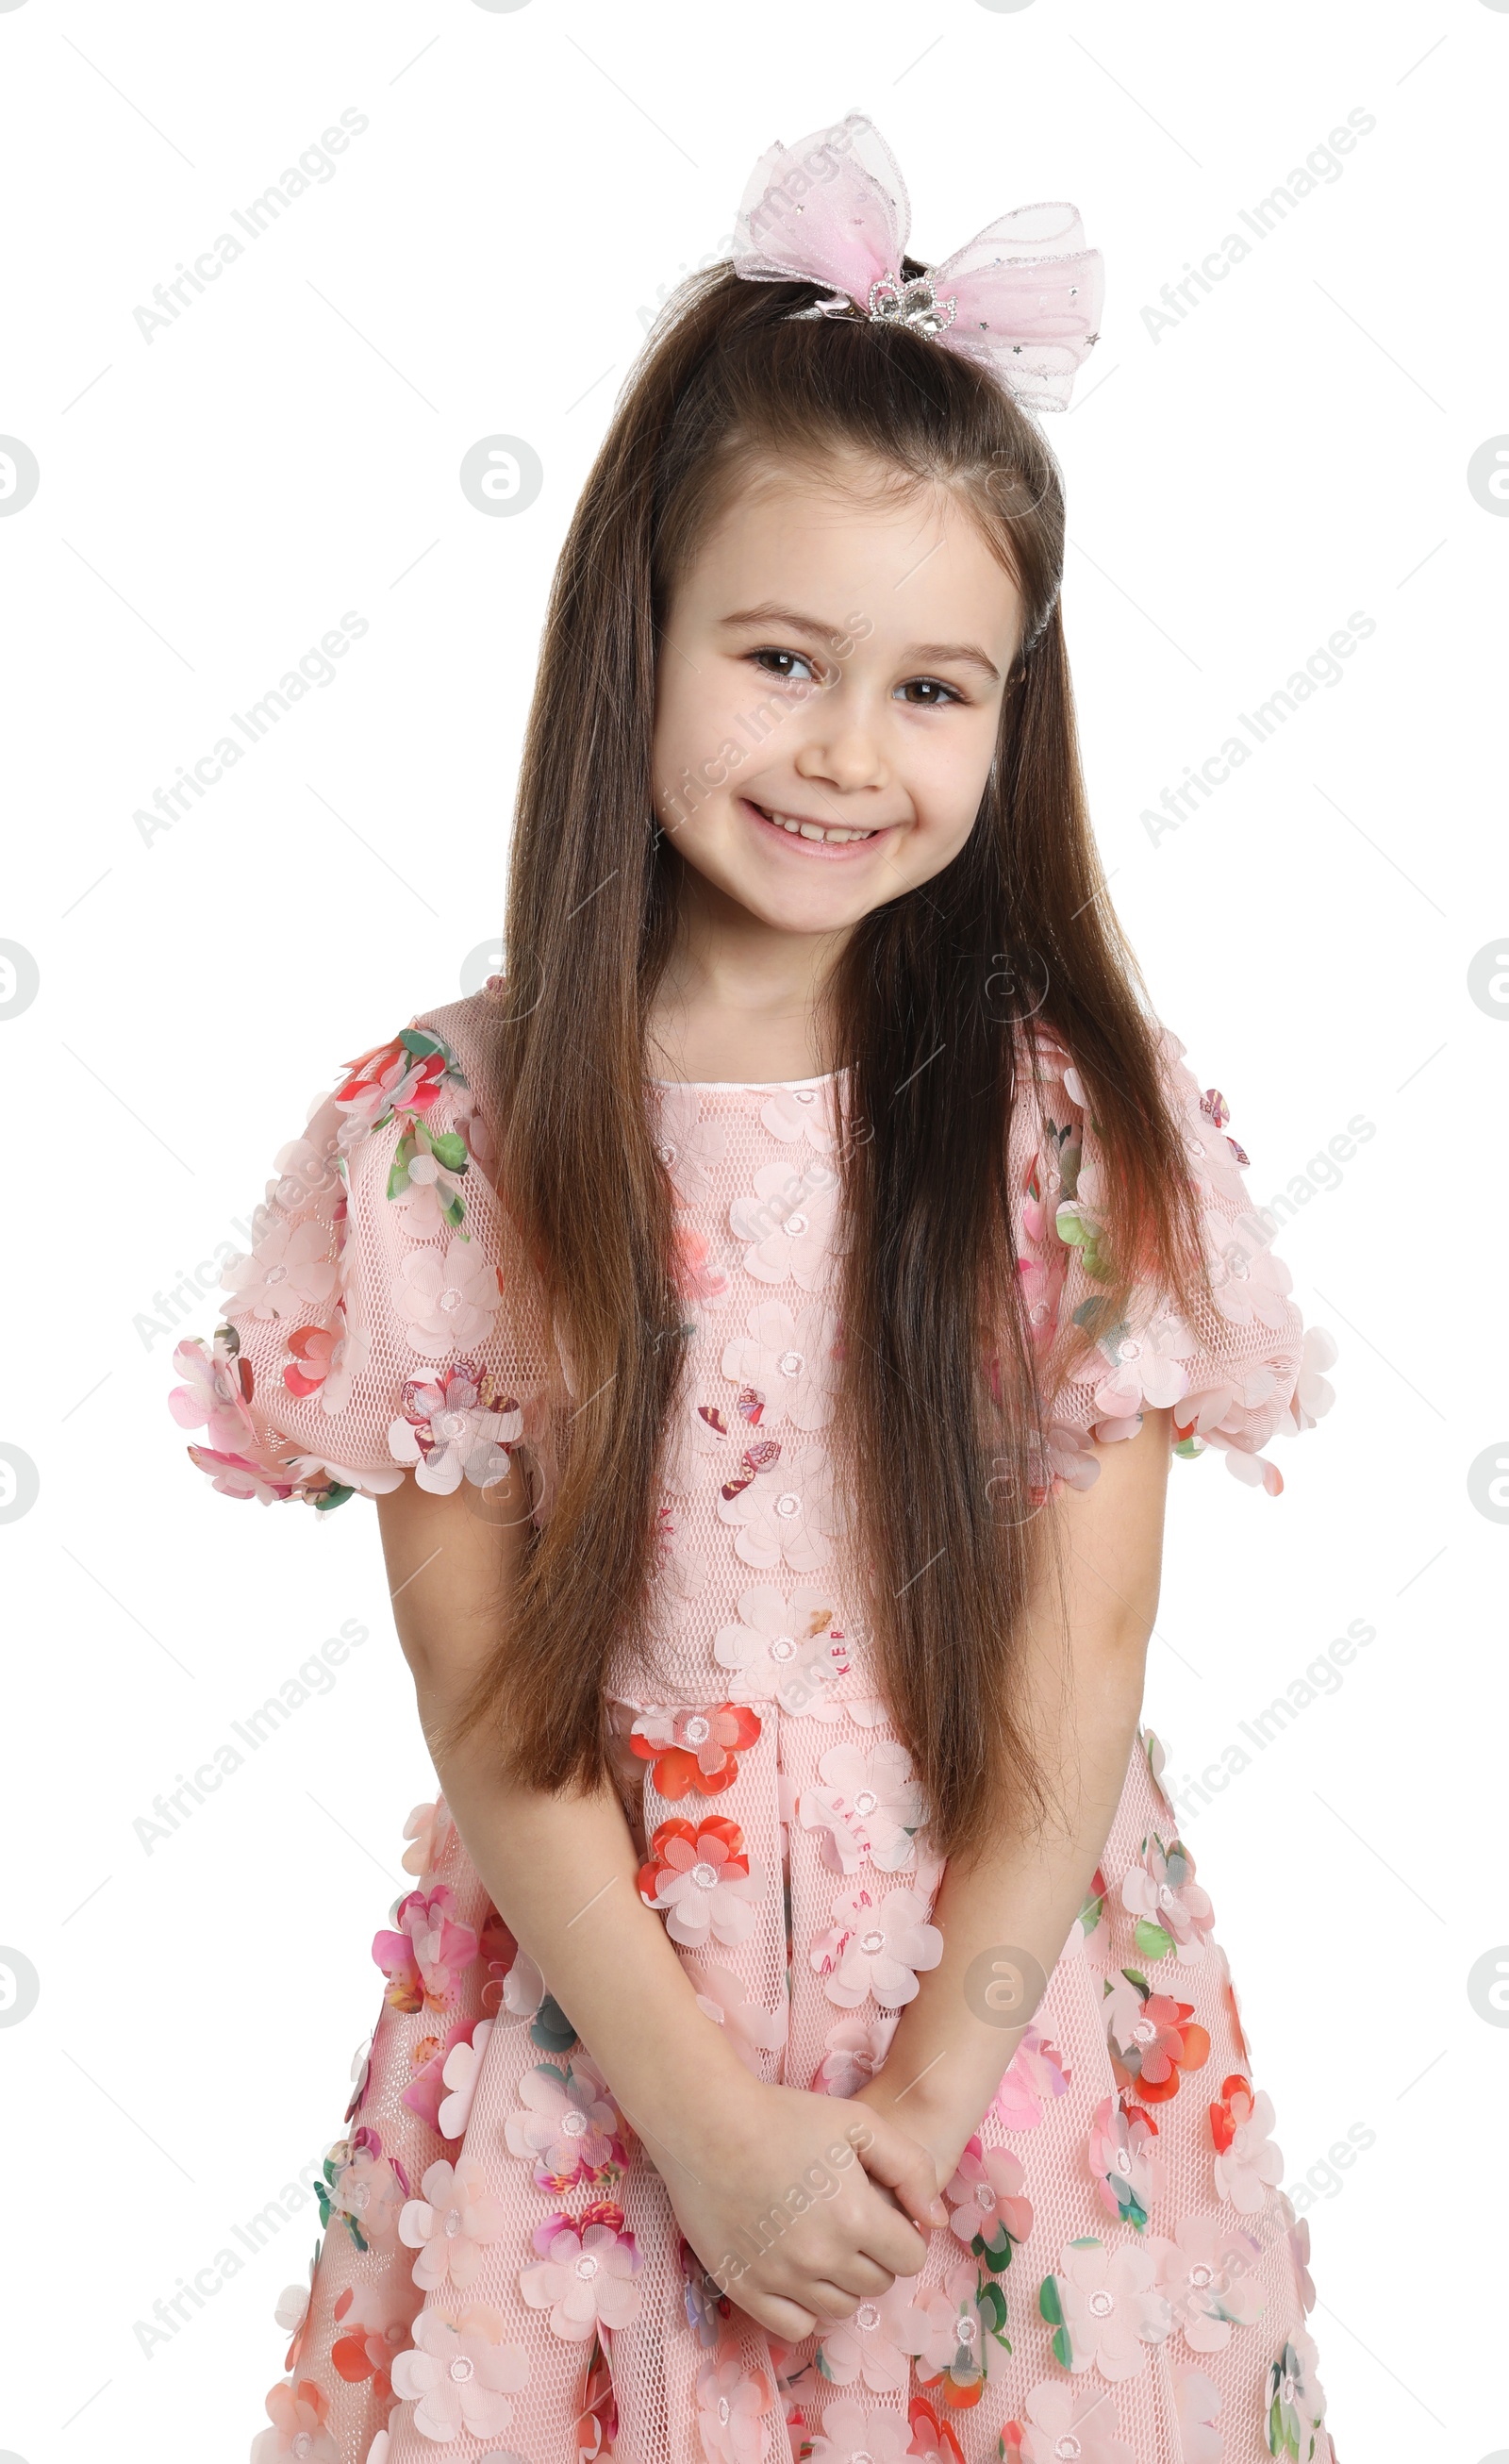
x: 214, y: 499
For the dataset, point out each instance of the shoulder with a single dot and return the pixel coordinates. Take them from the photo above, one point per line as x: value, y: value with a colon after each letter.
x: 468, y: 1028
x: 383, y: 1288
x: 1063, y: 1101
x: 427, y: 1080
x: 1240, y: 1369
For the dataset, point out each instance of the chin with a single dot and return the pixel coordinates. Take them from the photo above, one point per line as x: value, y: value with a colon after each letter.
x: 822, y: 909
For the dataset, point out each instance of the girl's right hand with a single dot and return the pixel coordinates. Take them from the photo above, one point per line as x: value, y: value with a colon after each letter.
x: 785, y: 2200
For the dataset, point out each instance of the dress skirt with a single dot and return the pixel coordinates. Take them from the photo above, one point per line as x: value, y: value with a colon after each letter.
x: 501, y: 2273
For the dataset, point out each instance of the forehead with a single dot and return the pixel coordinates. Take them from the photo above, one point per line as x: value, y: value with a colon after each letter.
x: 910, y: 548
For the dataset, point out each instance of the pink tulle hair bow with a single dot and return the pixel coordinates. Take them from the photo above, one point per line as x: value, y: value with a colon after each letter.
x: 1023, y: 297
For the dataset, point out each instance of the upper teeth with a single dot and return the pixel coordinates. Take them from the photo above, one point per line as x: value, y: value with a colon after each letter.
x: 814, y: 830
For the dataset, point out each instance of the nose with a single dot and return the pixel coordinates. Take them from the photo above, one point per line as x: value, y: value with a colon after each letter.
x: 844, y: 754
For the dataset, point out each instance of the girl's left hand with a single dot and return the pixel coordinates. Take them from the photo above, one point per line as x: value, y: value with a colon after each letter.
x: 943, y: 2137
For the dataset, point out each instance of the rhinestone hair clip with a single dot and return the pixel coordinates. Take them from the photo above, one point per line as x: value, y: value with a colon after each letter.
x: 1023, y: 297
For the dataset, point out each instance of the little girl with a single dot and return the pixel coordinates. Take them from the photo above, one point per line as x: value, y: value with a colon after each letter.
x: 764, y: 1319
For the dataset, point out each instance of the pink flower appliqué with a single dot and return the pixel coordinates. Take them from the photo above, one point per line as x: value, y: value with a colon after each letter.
x: 448, y: 1301
x: 1148, y: 1367
x: 367, y: 2194
x: 792, y: 1114
x: 785, y: 1649
x: 1105, y: 2308
x: 293, y: 2314
x: 726, y: 2000
x: 856, y: 2049
x: 702, y: 1881
x: 431, y: 1834
x: 869, y: 1806
x: 216, y: 1389
x: 1207, y: 2274
x: 461, y: 2375
x: 876, y: 1950
x: 450, y: 2225
x: 454, y: 1425
x: 569, y: 2124
x: 1152, y: 2040
x: 1036, y: 2075
x: 789, y: 1224
x: 375, y: 2322
x: 445, y: 2073
x: 732, y: 2408
x: 991, y: 2213
x: 879, y: 2341
x: 406, y: 1074
x: 694, y: 1747
x: 326, y: 1360
x: 1123, y: 2154
x: 424, y: 1958
x: 587, y: 2280
x: 425, y: 1180
x: 967, y: 2343
x: 790, y: 1360
x: 688, y: 1146
x: 1295, y: 2404
x: 789, y: 1513
x: 853, y: 2435
x: 459, y: 2074
x: 289, y: 1274
x: 1247, y: 2163
x: 1173, y: 1913
x: 1067, y: 2421
x: 298, y: 2415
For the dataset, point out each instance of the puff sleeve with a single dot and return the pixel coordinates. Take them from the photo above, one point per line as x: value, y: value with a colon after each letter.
x: 1248, y: 1369
x: 379, y: 1326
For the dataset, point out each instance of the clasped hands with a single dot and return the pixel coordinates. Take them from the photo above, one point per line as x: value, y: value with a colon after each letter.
x: 801, y: 2205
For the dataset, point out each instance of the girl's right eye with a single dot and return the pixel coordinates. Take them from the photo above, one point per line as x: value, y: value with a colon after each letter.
x: 786, y: 675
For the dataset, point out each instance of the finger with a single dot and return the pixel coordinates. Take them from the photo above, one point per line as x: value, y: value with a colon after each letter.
x: 830, y: 2300
x: 894, y: 2244
x: 885, y: 2235
x: 902, y: 2165
x: 856, y: 2272
x: 780, y: 2317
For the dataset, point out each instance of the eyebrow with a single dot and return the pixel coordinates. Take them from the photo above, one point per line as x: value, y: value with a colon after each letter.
x: 769, y: 612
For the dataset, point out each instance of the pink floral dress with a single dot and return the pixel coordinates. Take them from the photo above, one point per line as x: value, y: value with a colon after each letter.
x: 501, y: 2275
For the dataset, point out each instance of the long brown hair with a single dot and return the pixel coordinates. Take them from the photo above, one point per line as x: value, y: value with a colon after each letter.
x: 941, y: 1414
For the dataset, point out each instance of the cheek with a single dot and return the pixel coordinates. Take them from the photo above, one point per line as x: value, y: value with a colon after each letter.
x: 695, y: 716
x: 667, y: 732
x: 947, y: 777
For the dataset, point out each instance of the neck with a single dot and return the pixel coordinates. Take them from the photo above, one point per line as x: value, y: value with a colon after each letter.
x: 740, y: 993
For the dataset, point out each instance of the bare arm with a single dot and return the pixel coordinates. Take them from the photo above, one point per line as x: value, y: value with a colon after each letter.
x: 562, y: 1873
x: 1086, y: 1661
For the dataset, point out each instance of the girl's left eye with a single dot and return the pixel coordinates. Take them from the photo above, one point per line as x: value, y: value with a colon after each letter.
x: 939, y: 696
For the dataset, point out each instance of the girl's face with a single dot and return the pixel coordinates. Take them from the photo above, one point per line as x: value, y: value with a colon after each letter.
x: 829, y: 691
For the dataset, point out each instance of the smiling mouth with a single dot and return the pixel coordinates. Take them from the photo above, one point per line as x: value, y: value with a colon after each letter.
x: 818, y: 833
